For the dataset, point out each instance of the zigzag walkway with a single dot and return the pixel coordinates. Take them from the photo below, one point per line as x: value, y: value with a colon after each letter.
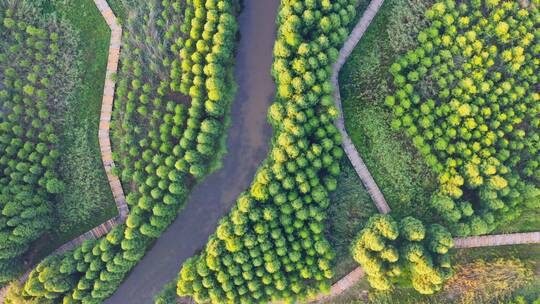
x: 497, y: 240
x: 107, y: 106
x: 104, y: 143
x: 348, y: 146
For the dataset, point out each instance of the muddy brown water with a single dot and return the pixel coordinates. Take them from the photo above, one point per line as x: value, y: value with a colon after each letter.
x: 247, y: 143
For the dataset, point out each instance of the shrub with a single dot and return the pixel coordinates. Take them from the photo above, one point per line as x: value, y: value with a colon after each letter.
x: 388, y: 251
x: 487, y: 281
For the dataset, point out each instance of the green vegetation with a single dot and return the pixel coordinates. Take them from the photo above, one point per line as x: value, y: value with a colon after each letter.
x: 271, y: 245
x: 524, y: 300
x: 88, y: 201
x: 349, y: 210
x: 37, y: 58
x: 158, y: 137
x: 480, y: 281
x: 397, y: 166
x: 467, y: 97
x: 204, y: 60
x: 163, y: 138
x: 485, y: 281
x: 168, y: 294
x: 442, y: 104
x: 529, y: 294
x: 14, y: 295
x: 369, y: 121
x: 147, y: 121
x: 389, y: 251
x: 399, y: 170
x: 528, y: 221
x: 527, y: 255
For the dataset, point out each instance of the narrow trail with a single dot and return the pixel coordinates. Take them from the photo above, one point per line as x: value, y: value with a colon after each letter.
x: 247, y: 144
x: 104, y: 143
x: 348, y: 146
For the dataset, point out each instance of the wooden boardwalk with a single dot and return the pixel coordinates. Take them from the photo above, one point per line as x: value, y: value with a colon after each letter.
x: 104, y: 143
x: 340, y: 286
x: 348, y: 145
x: 107, y: 107
x: 95, y: 233
x: 497, y: 240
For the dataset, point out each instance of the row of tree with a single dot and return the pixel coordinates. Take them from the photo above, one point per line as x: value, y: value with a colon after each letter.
x: 207, y: 50
x: 271, y: 244
x: 156, y: 129
x: 467, y: 96
x: 32, y: 61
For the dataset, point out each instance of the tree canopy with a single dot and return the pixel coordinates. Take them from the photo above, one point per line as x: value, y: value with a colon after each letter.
x: 408, y: 250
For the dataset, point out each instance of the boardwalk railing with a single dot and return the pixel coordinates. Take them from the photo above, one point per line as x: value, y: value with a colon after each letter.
x: 104, y: 143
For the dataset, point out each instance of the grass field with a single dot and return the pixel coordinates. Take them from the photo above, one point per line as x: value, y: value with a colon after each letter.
x: 528, y: 221
x: 87, y: 201
x: 350, y: 208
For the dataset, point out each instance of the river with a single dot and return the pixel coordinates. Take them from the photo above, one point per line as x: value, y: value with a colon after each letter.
x: 247, y: 143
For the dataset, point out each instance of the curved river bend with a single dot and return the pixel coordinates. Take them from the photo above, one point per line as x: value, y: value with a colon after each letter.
x: 247, y: 145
